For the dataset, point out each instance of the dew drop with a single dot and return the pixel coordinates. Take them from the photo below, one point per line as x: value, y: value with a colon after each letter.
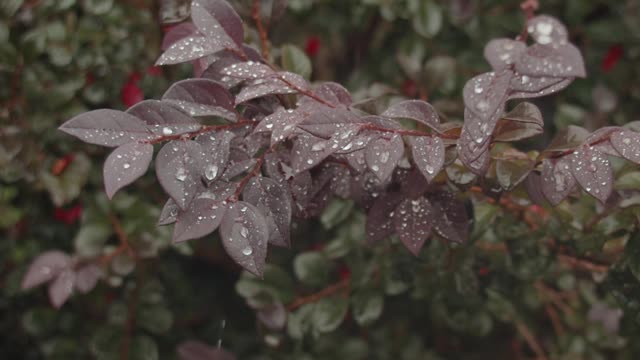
x: 126, y: 165
x: 247, y: 251
x: 167, y: 131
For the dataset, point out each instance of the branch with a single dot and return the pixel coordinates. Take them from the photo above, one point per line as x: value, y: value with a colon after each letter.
x: 202, y: 130
x: 582, y: 264
x: 264, y: 42
x: 531, y: 340
x: 328, y: 291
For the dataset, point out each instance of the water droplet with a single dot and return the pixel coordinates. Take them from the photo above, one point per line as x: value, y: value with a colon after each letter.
x: 384, y: 157
x: 211, y: 172
x: 181, y: 174
x: 244, y: 232
x: 126, y: 165
x: 167, y: 131
x: 478, y: 89
x: 247, y: 251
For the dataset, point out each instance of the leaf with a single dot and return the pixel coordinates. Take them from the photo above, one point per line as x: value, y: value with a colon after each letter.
x: 329, y: 313
x: 416, y: 110
x: 545, y: 29
x: 379, y: 222
x: 177, y: 33
x: 367, y: 307
x: 593, y: 172
x: 382, y: 156
x: 413, y: 220
x: 61, y: 288
x: 311, y: 268
x: 512, y: 172
x: 564, y: 61
x: 627, y: 143
x: 156, y: 319
x: 485, y: 94
x: 249, y: 70
x: 143, y: 347
x: 522, y: 122
x: 190, y: 48
x: 125, y: 165
x: 282, y: 83
x: 295, y: 60
x: 169, y: 213
x: 221, y: 11
x: 502, y: 53
x: 330, y: 92
x: 274, y: 317
x: 326, y: 122
x: 274, y: 200
x: 163, y: 119
x: 195, y: 350
x: 87, y: 277
x: 525, y: 112
x: 451, y: 219
x: 526, y: 87
x: 427, y: 20
x: 244, y: 233
x: 568, y: 138
x: 201, y: 218
x: 557, y: 180
x: 107, y: 128
x: 282, y: 123
x: 216, y: 150
x: 428, y: 155
x: 201, y: 97
x: 44, y: 268
x: 178, y: 168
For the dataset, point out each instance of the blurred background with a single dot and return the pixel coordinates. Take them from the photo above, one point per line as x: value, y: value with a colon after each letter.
x: 59, y: 58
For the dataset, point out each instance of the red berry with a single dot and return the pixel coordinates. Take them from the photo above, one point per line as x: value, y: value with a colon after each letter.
x: 612, y: 57
x: 131, y: 94
x: 68, y: 216
x: 312, y: 46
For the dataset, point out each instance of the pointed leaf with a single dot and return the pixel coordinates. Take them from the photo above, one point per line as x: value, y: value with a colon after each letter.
x: 107, y: 128
x: 221, y: 11
x: 178, y: 168
x: 201, y: 97
x: 416, y: 110
x: 502, y: 53
x: 163, y: 119
x: 413, y: 220
x: 274, y: 200
x: 557, y: 180
x: 125, y: 165
x: 382, y: 156
x: 244, y: 233
x: 627, y: 143
x: 380, y: 217
x: 201, y: 219
x: 216, y: 150
x: 485, y: 94
x: 428, y: 155
x: 191, y: 48
x: 545, y: 29
x: 563, y: 61
x: 44, y: 268
x: 451, y: 220
x: 593, y: 172
x: 169, y: 213
x: 61, y: 288
x: 282, y: 83
x: 87, y: 277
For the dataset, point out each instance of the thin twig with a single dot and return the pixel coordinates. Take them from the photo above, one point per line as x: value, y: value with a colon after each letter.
x: 582, y: 264
x: 328, y: 291
x: 531, y: 340
x: 264, y: 41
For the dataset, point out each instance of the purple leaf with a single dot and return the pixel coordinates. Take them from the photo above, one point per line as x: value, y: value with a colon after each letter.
x: 537, y: 83
x: 556, y: 61
x: 216, y: 149
x: 169, y: 213
x: 87, y: 277
x: 545, y: 29
x: 107, y: 128
x: 61, y: 288
x: 428, y: 155
x: 195, y: 350
x: 413, y: 220
x: 451, y: 218
x: 177, y: 33
x: 201, y: 218
x: 326, y: 122
x: 190, y: 48
x: 44, y: 268
x: 244, y: 233
x: 382, y: 155
x: 201, y: 97
x: 416, y: 110
x: 215, y: 71
x: 178, y: 168
x: 224, y: 15
x: 273, y: 199
x: 502, y: 53
x: 274, y: 317
x: 380, y: 217
x: 283, y: 83
x: 330, y: 92
x: 485, y: 94
x: 281, y: 124
x: 557, y: 180
x: 627, y: 143
x: 125, y: 165
x: 163, y: 119
x: 533, y: 184
x: 308, y: 151
x: 568, y: 138
x: 207, y: 24
x: 473, y: 155
x: 593, y: 172
x: 248, y: 70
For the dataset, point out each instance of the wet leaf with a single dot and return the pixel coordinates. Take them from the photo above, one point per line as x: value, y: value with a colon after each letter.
x: 557, y: 180
x: 201, y: 218
x: 44, y: 268
x: 245, y: 233
x: 428, y: 155
x: 593, y: 172
x: 201, y: 97
x: 329, y: 313
x: 163, y: 119
x: 107, y: 128
x: 178, y: 168
x: 222, y: 13
x: 564, y: 61
x: 416, y: 110
x: 627, y: 143
x: 125, y: 165
x: 87, y: 277
x: 190, y: 48
x: 216, y: 147
x: 275, y: 202
x: 545, y: 29
x: 169, y: 213
x: 413, y: 220
x: 451, y: 219
x: 502, y: 53
x: 383, y: 155
x: 380, y: 217
x: 61, y: 288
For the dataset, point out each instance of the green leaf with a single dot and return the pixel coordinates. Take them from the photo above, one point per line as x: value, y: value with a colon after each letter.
x: 512, y: 172
x: 336, y: 212
x: 156, y: 319
x: 367, y: 306
x: 97, y: 7
x: 329, y: 313
x: 311, y: 268
x: 144, y: 348
x: 295, y: 60
x: 427, y: 20
x: 299, y: 321
x: 628, y: 181
x: 91, y: 238
x: 10, y: 7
